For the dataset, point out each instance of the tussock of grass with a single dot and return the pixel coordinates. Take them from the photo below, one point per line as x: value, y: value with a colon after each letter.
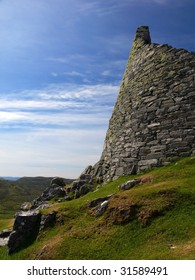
x: 154, y: 220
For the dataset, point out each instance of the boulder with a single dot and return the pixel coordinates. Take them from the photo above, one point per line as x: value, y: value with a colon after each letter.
x: 129, y: 184
x: 98, y: 201
x: 57, y: 181
x: 77, y: 184
x: 25, y: 230
x: 85, y: 177
x: 84, y: 190
x: 55, y: 192
x: 52, y: 192
x: 83, y: 184
x: 100, y: 209
x: 48, y: 220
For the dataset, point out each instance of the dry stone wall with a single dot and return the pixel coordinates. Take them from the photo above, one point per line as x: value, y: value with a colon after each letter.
x: 153, y: 121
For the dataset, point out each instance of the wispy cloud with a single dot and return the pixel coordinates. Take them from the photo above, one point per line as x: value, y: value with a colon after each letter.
x: 69, y: 58
x: 114, y: 6
x: 57, y: 130
x: 59, y: 104
x: 106, y: 73
x: 74, y: 73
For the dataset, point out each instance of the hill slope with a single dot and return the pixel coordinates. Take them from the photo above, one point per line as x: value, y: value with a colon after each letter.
x: 154, y: 220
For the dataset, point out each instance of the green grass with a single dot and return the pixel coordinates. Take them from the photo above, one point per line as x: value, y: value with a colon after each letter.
x: 162, y: 227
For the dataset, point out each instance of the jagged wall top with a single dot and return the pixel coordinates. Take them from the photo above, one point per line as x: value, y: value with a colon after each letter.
x: 153, y: 121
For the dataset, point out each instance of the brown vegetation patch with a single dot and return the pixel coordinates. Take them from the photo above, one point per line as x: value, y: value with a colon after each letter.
x: 145, y: 215
x: 146, y: 179
x: 121, y: 215
x: 121, y: 210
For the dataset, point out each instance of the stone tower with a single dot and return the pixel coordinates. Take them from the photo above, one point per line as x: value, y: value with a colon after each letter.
x: 153, y: 121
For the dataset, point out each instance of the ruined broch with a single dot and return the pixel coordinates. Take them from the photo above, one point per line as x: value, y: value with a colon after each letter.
x: 153, y: 121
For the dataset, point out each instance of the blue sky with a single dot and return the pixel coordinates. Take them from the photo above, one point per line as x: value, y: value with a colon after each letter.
x: 61, y: 66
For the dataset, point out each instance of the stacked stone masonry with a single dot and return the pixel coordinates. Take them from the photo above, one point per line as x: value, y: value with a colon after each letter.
x: 153, y: 121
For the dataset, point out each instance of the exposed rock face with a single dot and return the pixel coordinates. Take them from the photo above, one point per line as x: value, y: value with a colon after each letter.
x: 27, y: 226
x: 154, y: 116
x: 29, y: 222
x: 48, y: 220
x: 58, y: 181
x: 84, y: 184
x: 99, y: 205
x: 55, y: 190
x: 25, y: 229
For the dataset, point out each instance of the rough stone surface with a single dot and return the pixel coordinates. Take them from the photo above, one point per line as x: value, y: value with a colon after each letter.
x: 48, y: 220
x: 99, y: 201
x: 129, y: 184
x: 100, y: 209
x: 83, y: 184
x: 58, y: 181
x: 153, y: 119
x: 25, y: 229
x: 56, y: 190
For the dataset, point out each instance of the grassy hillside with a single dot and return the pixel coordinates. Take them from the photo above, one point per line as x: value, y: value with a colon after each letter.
x: 154, y: 220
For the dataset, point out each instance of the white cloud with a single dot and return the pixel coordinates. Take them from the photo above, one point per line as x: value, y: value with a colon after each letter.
x: 106, y: 73
x: 58, y: 130
x: 74, y: 73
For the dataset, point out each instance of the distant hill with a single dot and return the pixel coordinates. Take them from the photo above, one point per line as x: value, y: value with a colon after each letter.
x: 14, y: 193
x: 10, y: 178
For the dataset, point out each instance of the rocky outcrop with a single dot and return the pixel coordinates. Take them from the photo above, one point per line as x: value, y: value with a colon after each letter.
x: 27, y: 226
x: 29, y: 222
x: 83, y: 184
x: 99, y: 205
x: 56, y: 190
x: 47, y: 220
x: 153, y: 121
x: 25, y: 230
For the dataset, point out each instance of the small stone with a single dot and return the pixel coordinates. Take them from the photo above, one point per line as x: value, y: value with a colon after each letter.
x: 129, y: 184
